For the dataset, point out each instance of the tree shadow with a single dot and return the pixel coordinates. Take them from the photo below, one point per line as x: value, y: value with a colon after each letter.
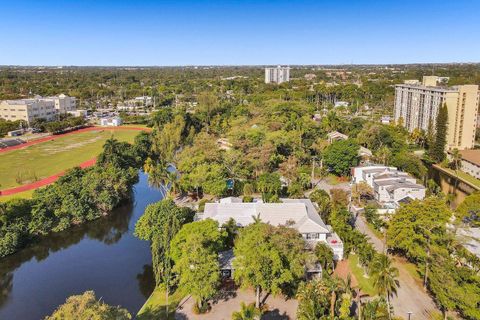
x: 224, y: 295
x: 275, y: 315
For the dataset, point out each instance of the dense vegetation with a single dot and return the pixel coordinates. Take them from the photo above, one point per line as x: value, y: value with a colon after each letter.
x: 80, y: 195
x: 87, y: 307
x: 239, y: 136
x: 419, y: 231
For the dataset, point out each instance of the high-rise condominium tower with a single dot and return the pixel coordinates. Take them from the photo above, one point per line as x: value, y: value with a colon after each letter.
x: 417, y: 104
x: 277, y: 75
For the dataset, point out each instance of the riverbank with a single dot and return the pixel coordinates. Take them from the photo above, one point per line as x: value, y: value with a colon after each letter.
x: 101, y: 255
x: 462, y: 176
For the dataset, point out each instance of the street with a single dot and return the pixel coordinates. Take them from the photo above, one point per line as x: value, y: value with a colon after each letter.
x: 411, y: 297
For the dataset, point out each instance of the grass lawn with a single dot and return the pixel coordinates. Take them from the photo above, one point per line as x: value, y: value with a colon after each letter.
x: 42, y: 160
x: 334, y: 180
x: 22, y: 195
x: 364, y: 283
x: 411, y: 268
x: 155, y: 306
x: 462, y: 175
x: 376, y: 232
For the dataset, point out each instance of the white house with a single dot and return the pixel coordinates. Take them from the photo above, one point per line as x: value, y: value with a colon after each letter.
x: 389, y: 184
x: 336, y: 136
x: 299, y: 213
x: 111, y: 122
x: 341, y: 104
x: 386, y: 120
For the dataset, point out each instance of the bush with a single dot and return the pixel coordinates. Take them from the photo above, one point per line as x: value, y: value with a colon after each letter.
x: 248, y: 189
x: 201, y: 205
x: 247, y: 199
x: 203, y: 309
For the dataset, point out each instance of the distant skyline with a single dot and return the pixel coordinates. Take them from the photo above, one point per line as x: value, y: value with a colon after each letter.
x: 176, y: 33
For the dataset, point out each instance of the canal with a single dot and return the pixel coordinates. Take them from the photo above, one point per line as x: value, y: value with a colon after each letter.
x: 450, y: 185
x: 102, y: 255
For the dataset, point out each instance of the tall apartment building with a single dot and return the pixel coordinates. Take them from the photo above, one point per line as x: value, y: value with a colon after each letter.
x: 37, y: 108
x: 417, y: 104
x: 277, y: 75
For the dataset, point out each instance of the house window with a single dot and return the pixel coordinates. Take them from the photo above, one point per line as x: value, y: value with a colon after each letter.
x: 313, y: 236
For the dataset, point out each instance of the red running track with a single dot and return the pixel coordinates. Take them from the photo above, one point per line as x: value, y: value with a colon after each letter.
x: 52, y: 179
x: 52, y: 137
x: 43, y: 182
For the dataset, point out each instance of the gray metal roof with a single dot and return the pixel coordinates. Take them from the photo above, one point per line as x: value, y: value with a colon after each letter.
x: 300, y: 212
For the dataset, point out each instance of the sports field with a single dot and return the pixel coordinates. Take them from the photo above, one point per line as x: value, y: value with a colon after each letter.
x: 35, y: 162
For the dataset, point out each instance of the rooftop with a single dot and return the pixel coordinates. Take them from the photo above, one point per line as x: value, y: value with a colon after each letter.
x: 472, y: 156
x: 471, y: 239
x: 300, y: 212
x: 404, y: 184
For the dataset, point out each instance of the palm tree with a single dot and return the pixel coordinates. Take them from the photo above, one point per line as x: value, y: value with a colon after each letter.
x: 247, y: 312
x: 375, y: 310
x: 110, y: 149
x: 385, y: 277
x: 159, y: 177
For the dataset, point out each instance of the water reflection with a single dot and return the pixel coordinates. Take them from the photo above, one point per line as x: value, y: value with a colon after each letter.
x: 146, y: 281
x: 102, y: 255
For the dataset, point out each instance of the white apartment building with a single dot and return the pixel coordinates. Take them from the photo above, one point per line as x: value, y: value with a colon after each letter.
x: 111, y: 122
x: 37, y: 108
x: 28, y: 110
x: 277, y: 75
x: 418, y: 105
x: 389, y: 184
x: 63, y: 103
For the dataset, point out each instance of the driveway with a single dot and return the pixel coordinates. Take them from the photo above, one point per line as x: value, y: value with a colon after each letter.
x: 411, y: 297
x: 229, y: 302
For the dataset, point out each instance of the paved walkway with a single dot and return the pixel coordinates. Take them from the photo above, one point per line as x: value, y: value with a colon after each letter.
x: 279, y: 308
x: 411, y: 297
x: 51, y: 137
x: 43, y: 182
x: 325, y: 185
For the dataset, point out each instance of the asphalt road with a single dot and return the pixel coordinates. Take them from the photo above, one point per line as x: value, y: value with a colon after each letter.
x: 411, y: 297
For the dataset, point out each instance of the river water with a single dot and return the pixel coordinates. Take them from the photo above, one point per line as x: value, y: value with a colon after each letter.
x: 102, y: 255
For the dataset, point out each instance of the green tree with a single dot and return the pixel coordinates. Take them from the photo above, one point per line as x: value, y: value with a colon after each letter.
x: 469, y: 210
x: 268, y: 258
x: 247, y: 312
x: 231, y: 229
x: 438, y: 150
x: 416, y: 224
x: 340, y: 156
x: 269, y: 184
x: 313, y: 300
x: 324, y: 254
x: 376, y: 309
x: 159, y: 224
x: 194, y: 250
x: 87, y: 307
x: 385, y: 277
x: 322, y: 199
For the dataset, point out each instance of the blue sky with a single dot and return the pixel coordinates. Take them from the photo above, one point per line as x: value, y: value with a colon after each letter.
x: 87, y: 32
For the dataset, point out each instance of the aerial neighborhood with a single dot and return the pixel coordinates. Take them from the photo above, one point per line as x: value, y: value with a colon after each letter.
x: 171, y: 160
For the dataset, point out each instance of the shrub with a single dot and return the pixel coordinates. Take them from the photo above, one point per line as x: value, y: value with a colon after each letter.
x: 201, y: 205
x: 247, y: 199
